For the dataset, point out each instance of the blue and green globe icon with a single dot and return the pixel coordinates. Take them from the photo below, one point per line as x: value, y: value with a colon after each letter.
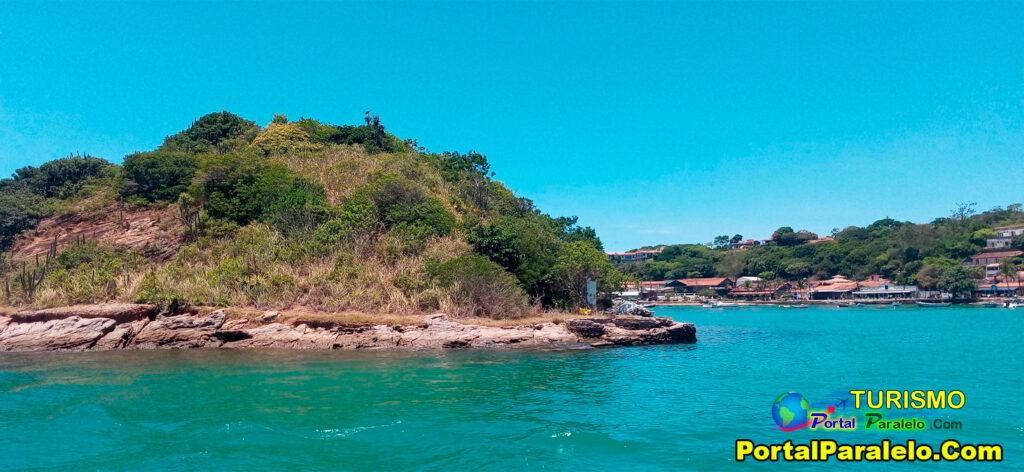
x: 791, y: 411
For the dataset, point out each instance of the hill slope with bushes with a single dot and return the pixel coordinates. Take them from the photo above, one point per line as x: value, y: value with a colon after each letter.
x: 924, y: 254
x: 294, y: 214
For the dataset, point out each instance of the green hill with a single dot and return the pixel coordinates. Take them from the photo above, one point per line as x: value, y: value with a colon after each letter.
x: 294, y: 214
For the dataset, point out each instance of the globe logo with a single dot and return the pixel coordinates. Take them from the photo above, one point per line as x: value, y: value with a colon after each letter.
x: 791, y: 411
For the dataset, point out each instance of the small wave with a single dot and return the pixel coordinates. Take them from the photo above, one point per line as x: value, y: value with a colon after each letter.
x: 331, y: 433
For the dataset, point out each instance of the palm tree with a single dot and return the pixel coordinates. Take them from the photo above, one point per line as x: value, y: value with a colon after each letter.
x: 1008, y: 270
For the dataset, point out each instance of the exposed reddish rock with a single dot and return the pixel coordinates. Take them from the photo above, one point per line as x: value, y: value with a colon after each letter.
x: 156, y: 233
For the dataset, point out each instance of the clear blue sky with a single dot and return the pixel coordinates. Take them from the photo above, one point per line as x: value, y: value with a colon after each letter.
x: 653, y: 122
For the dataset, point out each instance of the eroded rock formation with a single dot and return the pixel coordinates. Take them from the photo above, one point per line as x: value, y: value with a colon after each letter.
x: 126, y: 326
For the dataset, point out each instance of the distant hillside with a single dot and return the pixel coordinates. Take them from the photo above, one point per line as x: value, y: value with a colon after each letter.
x: 905, y: 252
x: 294, y: 214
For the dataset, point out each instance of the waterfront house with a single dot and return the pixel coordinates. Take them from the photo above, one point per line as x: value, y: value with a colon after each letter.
x: 991, y: 270
x: 648, y: 289
x: 933, y: 295
x: 1004, y: 236
x: 720, y: 285
x: 837, y: 287
x: 996, y: 257
x: 874, y: 281
x: 748, y: 281
x: 886, y: 292
x: 999, y: 289
x: 761, y: 291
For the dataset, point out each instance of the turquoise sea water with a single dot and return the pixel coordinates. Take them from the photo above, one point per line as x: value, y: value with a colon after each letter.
x: 645, y: 408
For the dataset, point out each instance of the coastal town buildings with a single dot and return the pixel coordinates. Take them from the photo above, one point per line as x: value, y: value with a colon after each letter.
x: 886, y: 291
x: 986, y: 258
x: 836, y: 288
x: 748, y: 282
x: 719, y: 285
x: 1004, y: 236
x: 999, y: 253
x: 999, y: 289
x: 635, y: 256
x: 765, y: 291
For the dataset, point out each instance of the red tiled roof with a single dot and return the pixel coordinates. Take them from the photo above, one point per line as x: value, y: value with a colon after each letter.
x: 874, y: 283
x: 1012, y: 284
x: 997, y: 255
x: 703, y: 281
x: 837, y: 287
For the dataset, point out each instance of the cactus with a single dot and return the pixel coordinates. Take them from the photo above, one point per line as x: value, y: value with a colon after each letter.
x: 190, y: 213
x: 30, y: 280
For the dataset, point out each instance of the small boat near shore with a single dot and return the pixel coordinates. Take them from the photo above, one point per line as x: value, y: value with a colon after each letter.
x: 719, y: 304
x: 794, y: 306
x: 934, y: 304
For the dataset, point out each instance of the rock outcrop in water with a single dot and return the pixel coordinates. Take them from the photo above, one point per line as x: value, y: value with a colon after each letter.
x: 128, y: 326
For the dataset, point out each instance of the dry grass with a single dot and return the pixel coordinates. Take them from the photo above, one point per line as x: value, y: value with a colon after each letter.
x: 313, y: 317
x: 556, y: 317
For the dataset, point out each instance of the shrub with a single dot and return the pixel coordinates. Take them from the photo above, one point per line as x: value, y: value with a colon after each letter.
x: 372, y: 136
x: 479, y: 287
x: 61, y: 178
x: 520, y: 245
x: 158, y: 176
x: 390, y: 203
x: 150, y: 290
x: 243, y: 188
x: 87, y: 272
x: 215, y: 132
x: 281, y: 138
x: 19, y: 211
x: 576, y: 262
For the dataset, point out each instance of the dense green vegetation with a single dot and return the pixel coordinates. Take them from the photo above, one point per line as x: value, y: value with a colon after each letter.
x: 925, y: 254
x: 304, y: 214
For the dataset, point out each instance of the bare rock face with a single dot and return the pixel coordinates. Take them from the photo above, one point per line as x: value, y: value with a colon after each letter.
x: 121, y: 335
x: 73, y: 333
x: 585, y: 328
x: 282, y: 336
x: 179, y: 332
x: 155, y: 232
x: 121, y: 326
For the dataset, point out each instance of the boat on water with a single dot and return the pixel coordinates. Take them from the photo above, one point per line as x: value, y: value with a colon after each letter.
x: 1015, y: 303
x: 719, y: 304
x: 933, y: 304
x: 794, y: 306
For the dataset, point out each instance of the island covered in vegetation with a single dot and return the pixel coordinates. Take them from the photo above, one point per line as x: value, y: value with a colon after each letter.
x: 299, y: 234
x: 298, y: 213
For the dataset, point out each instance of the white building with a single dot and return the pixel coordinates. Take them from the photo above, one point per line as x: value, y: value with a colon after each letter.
x: 1004, y: 236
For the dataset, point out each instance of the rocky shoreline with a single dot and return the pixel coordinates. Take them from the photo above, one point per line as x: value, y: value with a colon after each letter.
x: 132, y: 326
